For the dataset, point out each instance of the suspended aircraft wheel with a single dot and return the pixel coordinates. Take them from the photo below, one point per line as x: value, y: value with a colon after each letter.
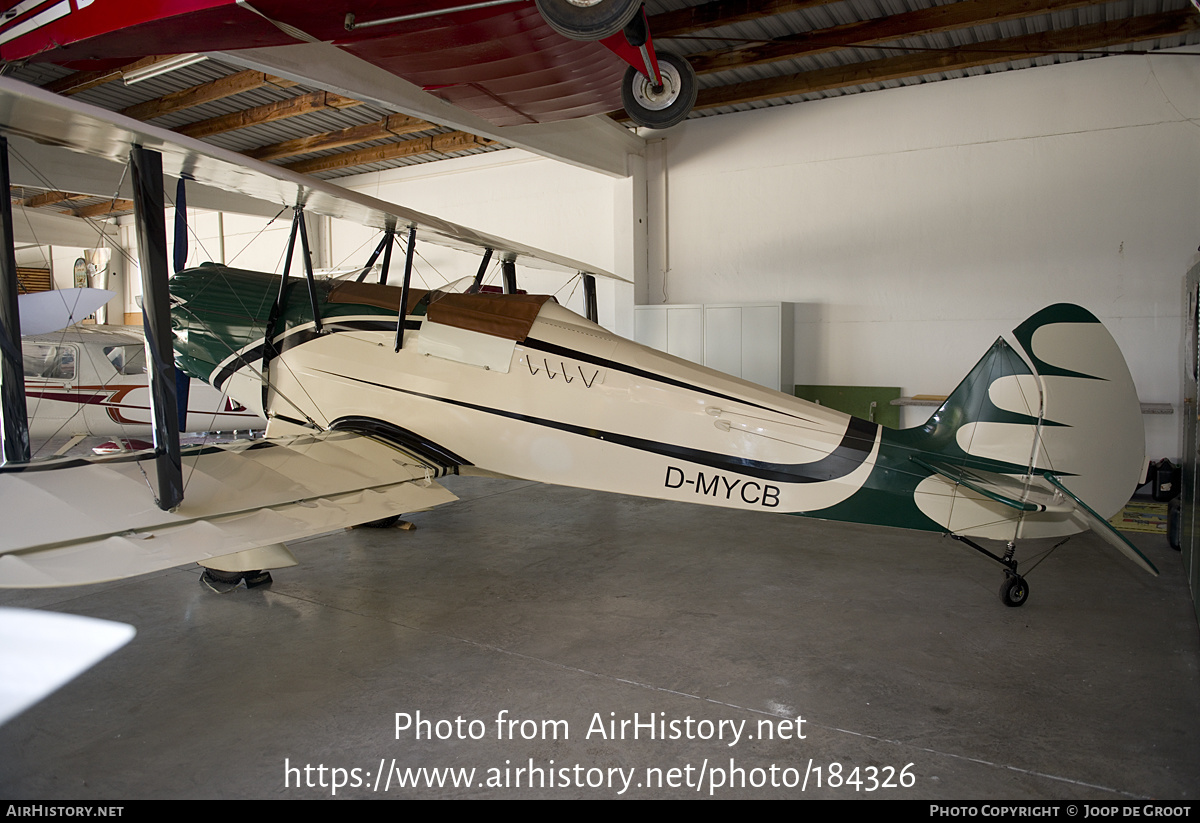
x: 588, y: 19
x: 660, y: 107
x: 1014, y: 591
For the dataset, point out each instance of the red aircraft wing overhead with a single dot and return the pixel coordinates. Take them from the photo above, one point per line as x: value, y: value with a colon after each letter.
x: 508, y: 67
x: 504, y: 63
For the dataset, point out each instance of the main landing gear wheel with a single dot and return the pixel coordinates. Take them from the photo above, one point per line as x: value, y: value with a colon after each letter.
x: 588, y: 19
x: 1014, y: 591
x: 382, y: 523
x: 660, y: 107
x: 225, y: 582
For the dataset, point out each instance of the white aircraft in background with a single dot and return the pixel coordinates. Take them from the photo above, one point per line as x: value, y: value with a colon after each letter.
x: 90, y: 381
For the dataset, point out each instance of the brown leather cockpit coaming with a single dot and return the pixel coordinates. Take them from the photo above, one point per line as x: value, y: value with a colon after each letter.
x: 501, y: 315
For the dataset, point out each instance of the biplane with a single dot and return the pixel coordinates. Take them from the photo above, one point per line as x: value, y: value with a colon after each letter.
x: 373, y: 391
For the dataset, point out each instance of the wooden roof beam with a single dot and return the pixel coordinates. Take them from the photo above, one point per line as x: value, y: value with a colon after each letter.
x: 394, y: 125
x: 105, y: 209
x: 84, y: 80
x: 722, y: 13
x: 1082, y: 38
x: 50, y: 198
x: 268, y: 113
x: 217, y: 89
x: 453, y: 141
x: 880, y: 30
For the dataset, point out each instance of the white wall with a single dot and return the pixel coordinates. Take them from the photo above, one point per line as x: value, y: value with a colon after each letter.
x: 910, y: 227
x: 915, y: 225
x: 521, y: 197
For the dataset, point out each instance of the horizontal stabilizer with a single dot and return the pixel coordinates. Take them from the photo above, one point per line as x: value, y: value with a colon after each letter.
x: 1002, y: 488
x: 102, y: 522
x: 1031, y: 495
x: 1104, y: 529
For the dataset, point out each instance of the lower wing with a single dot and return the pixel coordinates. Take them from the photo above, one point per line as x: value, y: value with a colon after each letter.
x: 93, y: 520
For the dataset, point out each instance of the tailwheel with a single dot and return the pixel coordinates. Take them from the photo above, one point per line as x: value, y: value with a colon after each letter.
x: 660, y: 107
x: 1014, y: 591
x: 588, y: 19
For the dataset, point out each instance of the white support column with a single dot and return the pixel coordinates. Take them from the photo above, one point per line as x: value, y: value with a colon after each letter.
x: 630, y: 226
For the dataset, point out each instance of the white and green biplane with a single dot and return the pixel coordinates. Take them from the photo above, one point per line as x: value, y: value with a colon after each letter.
x: 374, y: 391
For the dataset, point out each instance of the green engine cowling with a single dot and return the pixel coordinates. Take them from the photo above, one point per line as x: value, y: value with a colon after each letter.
x: 220, y: 317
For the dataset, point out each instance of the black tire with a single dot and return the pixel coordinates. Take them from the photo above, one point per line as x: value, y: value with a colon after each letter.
x: 603, y: 18
x: 382, y: 523
x: 257, y: 578
x: 660, y: 108
x: 1014, y: 591
x: 219, y: 581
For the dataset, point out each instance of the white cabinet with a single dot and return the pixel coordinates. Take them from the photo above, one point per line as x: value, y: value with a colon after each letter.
x: 748, y: 340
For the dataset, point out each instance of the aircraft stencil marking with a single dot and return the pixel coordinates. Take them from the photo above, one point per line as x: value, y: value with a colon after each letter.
x: 564, y: 370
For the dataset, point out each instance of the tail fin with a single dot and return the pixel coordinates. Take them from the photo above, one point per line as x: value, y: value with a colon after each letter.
x: 1074, y: 414
x: 1099, y: 448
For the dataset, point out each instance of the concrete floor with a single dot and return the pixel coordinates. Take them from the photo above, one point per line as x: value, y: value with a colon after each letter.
x: 543, y: 603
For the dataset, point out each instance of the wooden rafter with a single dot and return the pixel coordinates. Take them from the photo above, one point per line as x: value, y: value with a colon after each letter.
x: 104, y: 209
x: 453, y: 141
x: 50, y: 198
x: 268, y: 113
x: 84, y: 80
x: 394, y: 125
x: 217, y: 89
x: 722, y: 13
x: 880, y: 30
x: 1082, y: 38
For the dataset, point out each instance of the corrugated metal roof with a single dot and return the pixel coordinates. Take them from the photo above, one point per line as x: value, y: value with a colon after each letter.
x: 780, y: 82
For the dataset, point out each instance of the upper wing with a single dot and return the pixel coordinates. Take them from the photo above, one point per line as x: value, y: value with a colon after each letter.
x: 98, y: 520
x: 45, y: 117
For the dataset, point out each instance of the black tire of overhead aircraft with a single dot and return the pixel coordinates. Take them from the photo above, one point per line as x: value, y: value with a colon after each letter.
x: 680, y: 91
x: 595, y: 22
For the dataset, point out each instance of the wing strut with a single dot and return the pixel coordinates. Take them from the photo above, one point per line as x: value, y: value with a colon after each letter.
x: 308, y: 270
x: 15, y: 434
x: 508, y: 268
x: 408, y: 261
x: 387, y: 257
x: 589, y: 298
x: 270, y: 350
x: 387, y: 238
x: 483, y: 264
x: 152, y: 257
